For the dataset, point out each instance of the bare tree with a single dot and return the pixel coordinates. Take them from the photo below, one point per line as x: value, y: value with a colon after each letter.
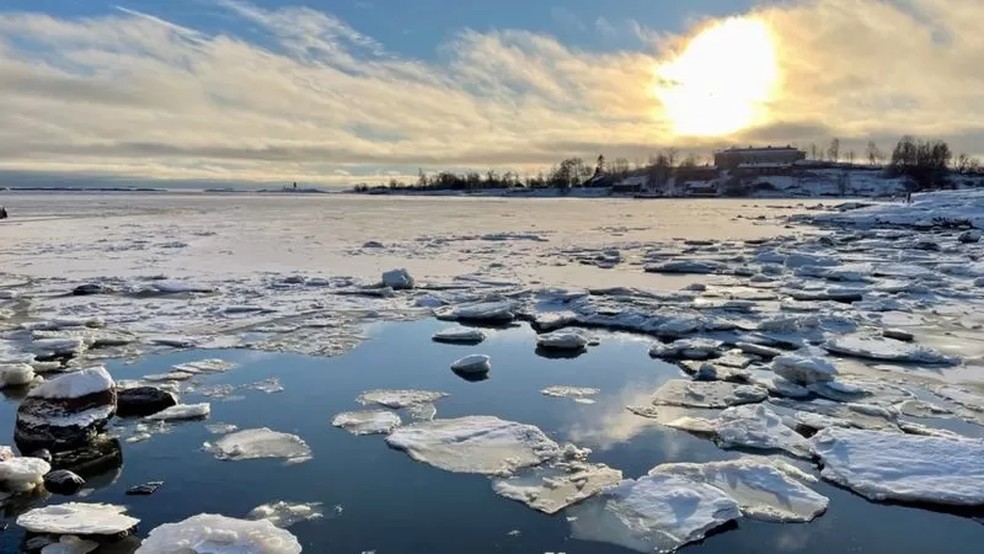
x: 833, y: 151
x: 850, y: 157
x: 874, y: 154
x: 671, y: 155
x: 813, y: 151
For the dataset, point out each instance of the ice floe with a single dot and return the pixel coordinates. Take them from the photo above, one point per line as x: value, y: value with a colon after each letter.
x: 474, y: 444
x: 284, y: 514
x: 804, y: 369
x: 581, y: 395
x: 552, y: 489
x: 459, y: 335
x: 903, y: 467
x: 22, y: 474
x: 563, y: 340
x: 70, y: 544
x: 369, y: 422
x: 216, y: 534
x: 183, y: 411
x: 886, y: 349
x: 399, y: 398
x: 760, y: 428
x: 492, y: 312
x: 686, y: 349
x: 249, y: 444
x: 656, y: 513
x: 398, y: 279
x: 763, y: 489
x: 473, y: 364
x: 78, y: 518
x: 707, y: 394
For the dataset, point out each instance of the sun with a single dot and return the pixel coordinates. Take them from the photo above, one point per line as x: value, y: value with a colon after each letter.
x: 721, y: 81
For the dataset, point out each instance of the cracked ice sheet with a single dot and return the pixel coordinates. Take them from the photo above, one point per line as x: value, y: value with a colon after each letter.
x: 552, y: 489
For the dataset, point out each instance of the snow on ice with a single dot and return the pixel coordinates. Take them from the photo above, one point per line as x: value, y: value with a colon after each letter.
x: 284, y: 514
x: 182, y: 411
x: 217, y: 534
x: 369, y: 422
x: 249, y: 444
x: 707, y: 394
x: 78, y: 518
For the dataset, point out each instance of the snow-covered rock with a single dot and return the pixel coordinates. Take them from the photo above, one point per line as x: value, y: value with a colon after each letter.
x: 249, y: 444
x: 78, y: 518
x: 473, y: 364
x: 552, y: 489
x: 804, y: 369
x: 459, y: 335
x: 182, y: 411
x: 763, y: 490
x: 885, y: 349
x: 562, y: 340
x: 902, y: 467
x: 67, y: 411
x: 216, y: 534
x: 656, y: 513
x: 398, y: 279
x: 399, y: 398
x: 284, y: 514
x: 22, y: 474
x: 16, y: 375
x: 369, y: 422
x: 474, y: 444
x: 707, y: 394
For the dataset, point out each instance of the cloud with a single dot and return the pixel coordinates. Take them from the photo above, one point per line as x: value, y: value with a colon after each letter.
x: 306, y: 97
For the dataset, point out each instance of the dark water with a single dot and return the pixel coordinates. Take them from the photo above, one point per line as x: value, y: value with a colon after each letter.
x: 390, y: 504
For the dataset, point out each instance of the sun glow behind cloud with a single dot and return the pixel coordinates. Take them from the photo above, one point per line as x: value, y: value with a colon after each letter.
x: 722, y: 80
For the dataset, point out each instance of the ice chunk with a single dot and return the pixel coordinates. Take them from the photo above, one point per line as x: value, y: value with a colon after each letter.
x: 775, y: 384
x: 172, y: 376
x: 687, y: 349
x: 399, y: 398
x: 758, y: 350
x: 497, y: 312
x: 707, y: 394
x: 208, y: 365
x: 216, y: 534
x: 177, y: 287
x: 249, y: 444
x: 562, y: 340
x: 474, y: 444
x: 22, y: 474
x: 581, y: 395
x: 804, y: 369
x: 74, y: 385
x: 763, y: 490
x: 398, y: 279
x: 552, y: 489
x: 78, y: 518
x: 476, y: 363
x: 656, y: 513
x: 69, y: 544
x: 902, y: 467
x: 371, y: 422
x: 685, y: 266
x: 284, y: 514
x: 799, y: 259
x: 459, y: 335
x: 182, y: 411
x: 886, y: 349
x: 15, y: 375
x: 962, y: 396
x: 758, y: 427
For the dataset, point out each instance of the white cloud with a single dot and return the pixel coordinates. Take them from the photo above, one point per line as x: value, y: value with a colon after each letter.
x: 130, y: 95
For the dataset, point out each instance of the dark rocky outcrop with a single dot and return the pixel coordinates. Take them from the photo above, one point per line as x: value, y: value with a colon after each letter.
x: 63, y: 481
x: 143, y: 401
x: 66, y: 412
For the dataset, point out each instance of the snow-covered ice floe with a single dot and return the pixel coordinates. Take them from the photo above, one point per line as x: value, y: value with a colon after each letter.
x: 260, y: 443
x: 474, y: 444
x: 707, y: 394
x: 551, y: 489
x: 581, y: 395
x: 78, y: 518
x: 284, y: 514
x: 216, y: 534
x: 902, y: 467
x: 459, y: 335
x: 473, y: 364
x: 399, y: 398
x: 182, y: 411
x: 886, y: 349
x: 368, y: 422
x: 764, y: 489
x: 21, y: 474
x: 563, y: 340
x: 656, y: 513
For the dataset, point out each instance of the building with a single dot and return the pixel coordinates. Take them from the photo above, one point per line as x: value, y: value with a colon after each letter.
x: 733, y: 158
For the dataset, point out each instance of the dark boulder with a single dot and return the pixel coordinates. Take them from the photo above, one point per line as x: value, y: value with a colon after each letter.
x: 145, y: 489
x: 89, y: 289
x: 143, y: 401
x: 43, y: 454
x: 63, y: 481
x: 66, y: 412
x: 101, y: 456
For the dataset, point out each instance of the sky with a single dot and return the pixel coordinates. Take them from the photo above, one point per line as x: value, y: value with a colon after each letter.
x: 337, y: 92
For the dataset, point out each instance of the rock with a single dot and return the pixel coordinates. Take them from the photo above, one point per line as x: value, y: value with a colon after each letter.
x: 78, y: 518
x: 182, y: 411
x: 459, y: 335
x: 22, y: 474
x: 143, y: 401
x: 562, y: 340
x: 63, y: 481
x: 971, y: 236
x: 89, y: 289
x: 372, y: 244
x: 102, y: 455
x: 898, y: 334
x: 215, y: 534
x: 803, y: 369
x: 902, y: 467
x: 474, y: 364
x: 398, y: 279
x: 371, y: 422
x: 145, y: 489
x: 249, y: 444
x: 42, y: 453
x: 16, y: 375
x: 474, y: 444
x: 67, y: 411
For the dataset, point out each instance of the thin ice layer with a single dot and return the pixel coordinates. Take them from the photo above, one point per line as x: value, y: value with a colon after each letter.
x: 707, y: 394
x: 474, y: 444
x: 216, y: 534
x: 762, y: 489
x: 78, y: 518
x: 896, y: 466
x: 249, y: 444
x: 654, y: 513
x: 368, y: 422
x: 399, y: 398
x: 284, y: 514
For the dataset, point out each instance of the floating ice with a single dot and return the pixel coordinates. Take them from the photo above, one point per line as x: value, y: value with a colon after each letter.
x: 78, y: 518
x: 172, y: 376
x: 216, y: 534
x: 474, y: 444
x: 552, y: 489
x: 775, y: 384
x: 176, y: 287
x: 707, y: 394
x: 803, y: 369
x: 22, y: 474
x: 654, y: 513
x: 496, y: 312
x: 758, y: 427
x: 687, y: 349
x: 16, y: 375
x: 685, y: 266
x: 763, y: 490
x: 284, y: 514
x: 221, y: 428
x: 74, y: 385
x: 182, y: 411
x: 474, y: 364
x: 758, y: 350
x: 371, y: 422
x: 398, y: 279
x: 581, y: 395
x: 459, y: 335
x: 69, y: 544
x: 399, y: 398
x: 208, y: 365
x: 562, y: 340
x: 249, y: 444
x: 885, y: 349
x: 896, y: 466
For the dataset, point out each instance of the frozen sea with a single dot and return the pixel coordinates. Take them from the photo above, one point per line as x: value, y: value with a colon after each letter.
x: 282, y: 286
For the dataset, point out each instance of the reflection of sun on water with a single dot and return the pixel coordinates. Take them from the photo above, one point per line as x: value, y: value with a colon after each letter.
x: 721, y: 81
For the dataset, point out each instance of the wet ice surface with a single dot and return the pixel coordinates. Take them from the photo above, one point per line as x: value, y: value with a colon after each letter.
x: 751, y: 301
